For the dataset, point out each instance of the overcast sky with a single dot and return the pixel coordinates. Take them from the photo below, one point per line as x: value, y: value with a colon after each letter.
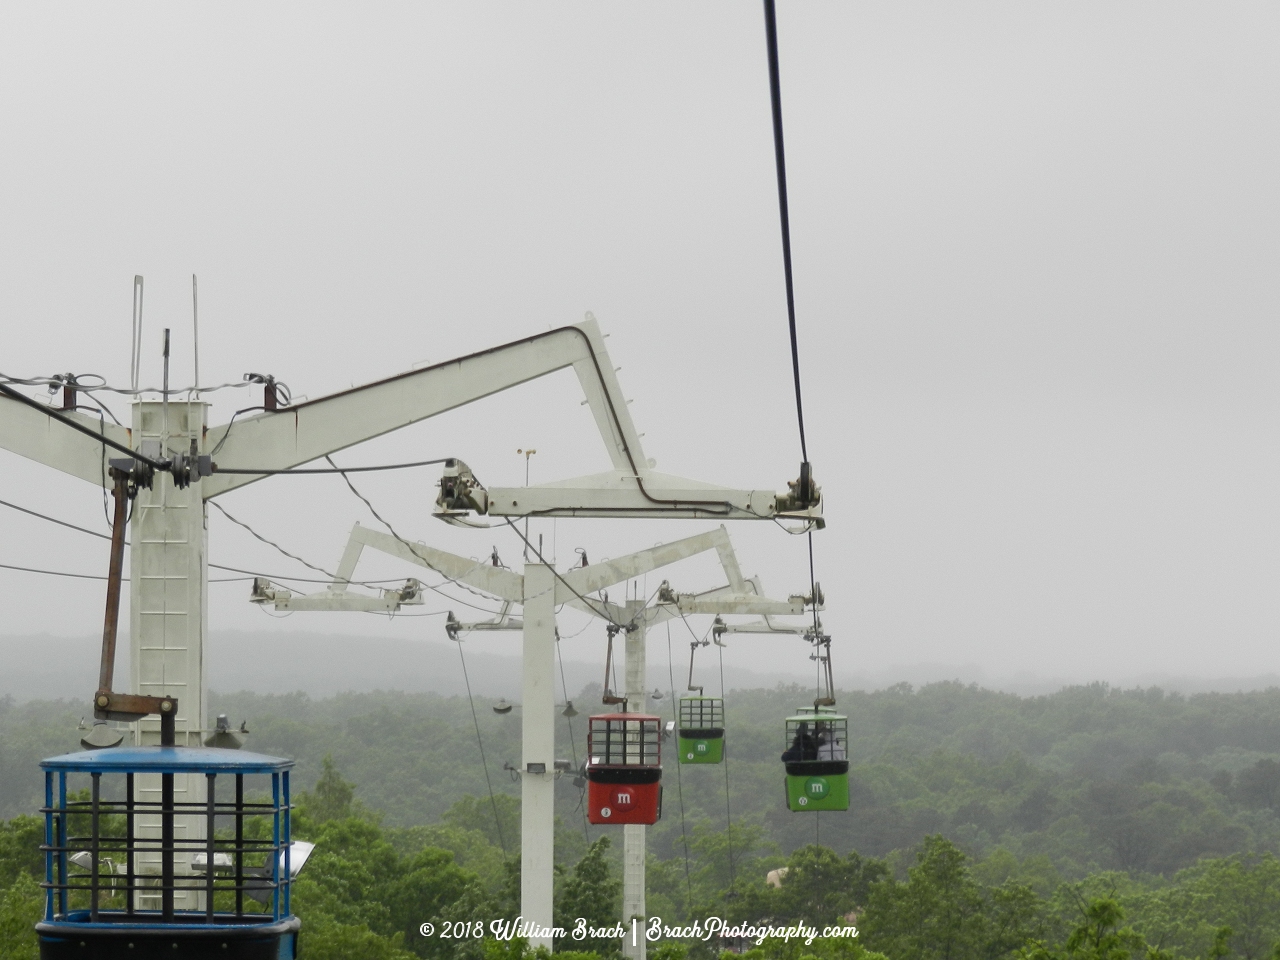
x: 1035, y: 259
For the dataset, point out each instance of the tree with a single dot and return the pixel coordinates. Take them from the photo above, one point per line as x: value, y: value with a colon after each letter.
x: 590, y: 894
x: 941, y: 912
x: 21, y: 906
x: 332, y: 797
x: 1098, y: 936
x: 818, y: 887
x: 20, y: 840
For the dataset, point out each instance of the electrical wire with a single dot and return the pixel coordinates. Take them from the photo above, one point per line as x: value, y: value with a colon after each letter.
x: 78, y: 427
x: 333, y: 577
x: 76, y: 382
x: 573, y: 745
x: 61, y: 523
x: 479, y: 740
x: 231, y: 423
x: 272, y: 543
x: 94, y: 576
x: 413, y: 548
x: 216, y: 566
x: 55, y: 573
x: 602, y: 613
x: 342, y: 470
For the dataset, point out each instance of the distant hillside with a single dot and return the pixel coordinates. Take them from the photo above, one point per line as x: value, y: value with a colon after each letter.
x: 319, y: 664
x: 1087, y: 779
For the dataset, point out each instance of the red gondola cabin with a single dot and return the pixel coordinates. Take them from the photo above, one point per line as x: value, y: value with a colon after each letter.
x: 624, y: 768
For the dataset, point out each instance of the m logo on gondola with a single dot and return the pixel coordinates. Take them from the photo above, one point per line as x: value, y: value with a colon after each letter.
x: 816, y: 787
x: 623, y: 799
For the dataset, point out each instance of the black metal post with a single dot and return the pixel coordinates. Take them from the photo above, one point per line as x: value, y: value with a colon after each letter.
x: 93, y: 846
x: 209, y: 848
x: 167, y: 851
x: 62, y: 843
x: 128, y: 843
x: 239, y: 854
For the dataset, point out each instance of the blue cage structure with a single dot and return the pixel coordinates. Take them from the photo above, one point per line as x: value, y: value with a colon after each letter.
x: 134, y: 870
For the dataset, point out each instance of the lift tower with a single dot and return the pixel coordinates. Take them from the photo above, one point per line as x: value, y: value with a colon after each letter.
x: 169, y: 533
x: 738, y: 596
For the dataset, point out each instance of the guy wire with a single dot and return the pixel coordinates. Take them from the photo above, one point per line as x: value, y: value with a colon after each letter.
x: 476, y: 720
x: 573, y: 746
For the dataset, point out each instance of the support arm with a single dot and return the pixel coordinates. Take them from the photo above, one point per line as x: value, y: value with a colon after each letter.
x: 313, y: 429
x: 39, y: 437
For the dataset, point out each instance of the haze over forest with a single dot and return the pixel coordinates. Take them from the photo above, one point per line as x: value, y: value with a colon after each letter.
x: 318, y: 664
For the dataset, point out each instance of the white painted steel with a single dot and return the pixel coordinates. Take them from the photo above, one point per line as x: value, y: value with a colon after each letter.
x: 633, y: 834
x: 480, y: 574
x: 31, y: 434
x: 537, y: 790
x: 168, y: 622
x: 310, y: 430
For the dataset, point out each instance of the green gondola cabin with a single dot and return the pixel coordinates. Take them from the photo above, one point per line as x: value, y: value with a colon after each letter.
x: 701, y: 731
x: 817, y: 760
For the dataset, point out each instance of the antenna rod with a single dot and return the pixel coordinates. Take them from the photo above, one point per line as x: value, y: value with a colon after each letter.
x: 195, y: 333
x: 135, y: 355
x: 164, y: 418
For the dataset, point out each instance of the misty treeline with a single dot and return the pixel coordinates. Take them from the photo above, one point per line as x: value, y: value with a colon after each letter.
x: 1087, y: 823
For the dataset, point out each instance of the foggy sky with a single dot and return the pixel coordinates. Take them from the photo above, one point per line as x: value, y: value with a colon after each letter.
x: 1035, y: 258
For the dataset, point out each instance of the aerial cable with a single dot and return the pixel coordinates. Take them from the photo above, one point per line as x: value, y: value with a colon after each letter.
x: 342, y: 470
x: 412, y: 547
x: 61, y: 523
x: 95, y: 576
x: 275, y: 578
x: 775, y: 98
x: 684, y: 838
x: 479, y: 740
x: 573, y: 746
x: 784, y: 217
x: 79, y: 427
x: 271, y: 543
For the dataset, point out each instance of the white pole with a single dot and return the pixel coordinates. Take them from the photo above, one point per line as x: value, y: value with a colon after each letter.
x: 168, y: 619
x: 633, y: 839
x: 537, y: 789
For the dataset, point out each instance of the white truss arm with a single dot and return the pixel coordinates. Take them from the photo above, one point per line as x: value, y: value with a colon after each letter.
x: 598, y: 576
x: 310, y: 430
x: 39, y: 437
x: 766, y: 626
x: 480, y: 574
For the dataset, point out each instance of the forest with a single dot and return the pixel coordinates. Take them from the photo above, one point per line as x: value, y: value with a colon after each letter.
x: 1087, y: 823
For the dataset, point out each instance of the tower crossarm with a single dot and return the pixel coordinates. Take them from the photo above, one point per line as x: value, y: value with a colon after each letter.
x: 38, y: 436
x: 480, y: 574
x: 598, y: 576
x: 309, y: 430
